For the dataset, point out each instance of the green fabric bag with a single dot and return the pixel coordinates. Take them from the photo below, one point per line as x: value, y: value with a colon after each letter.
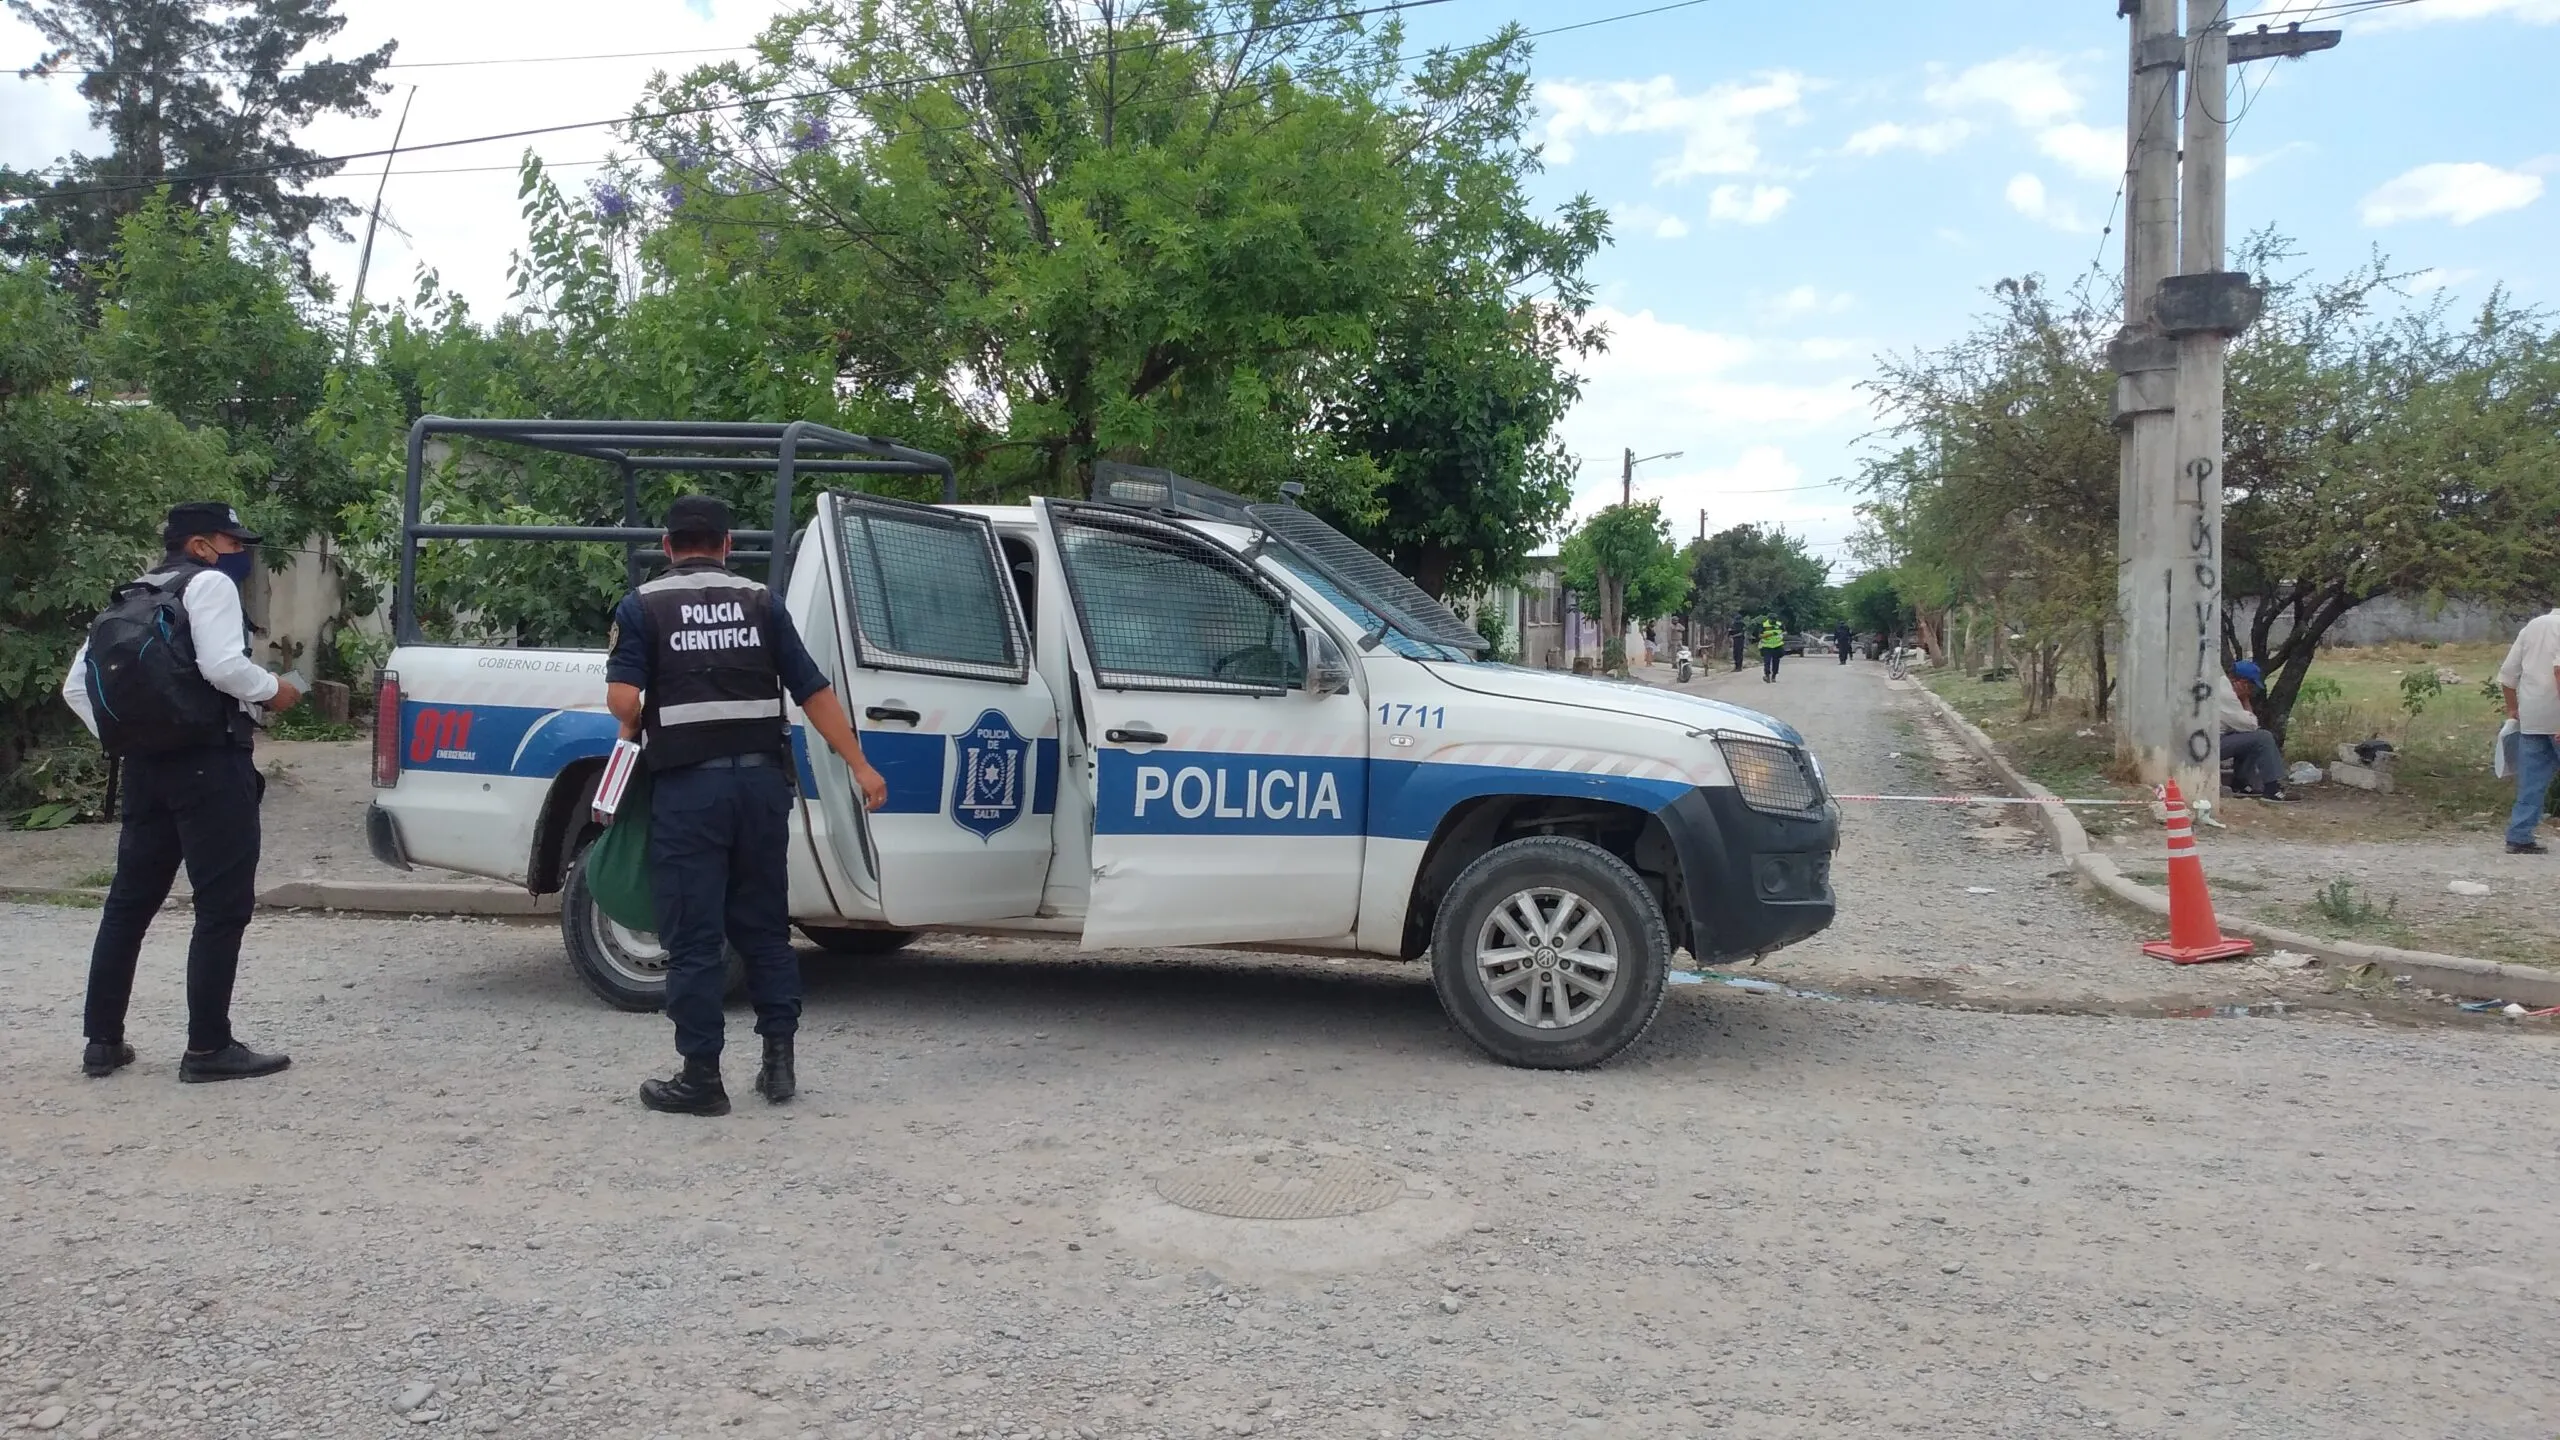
x: 618, y: 862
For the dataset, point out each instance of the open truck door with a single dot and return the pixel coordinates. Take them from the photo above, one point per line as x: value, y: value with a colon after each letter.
x: 935, y: 667
x: 1229, y: 794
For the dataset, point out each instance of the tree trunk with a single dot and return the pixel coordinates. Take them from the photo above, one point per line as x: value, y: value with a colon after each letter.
x: 2299, y: 646
x: 1431, y: 572
x: 2102, y: 688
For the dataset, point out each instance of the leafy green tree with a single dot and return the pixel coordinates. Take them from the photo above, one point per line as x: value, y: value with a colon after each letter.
x: 1171, y: 231
x: 1871, y: 603
x: 2009, y: 488
x: 203, y: 315
x: 1623, y: 564
x: 85, y: 477
x: 187, y: 88
x: 1459, y: 406
x: 2377, y: 451
x: 1747, y: 571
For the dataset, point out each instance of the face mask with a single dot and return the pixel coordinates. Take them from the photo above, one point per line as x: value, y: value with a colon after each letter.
x: 235, y: 566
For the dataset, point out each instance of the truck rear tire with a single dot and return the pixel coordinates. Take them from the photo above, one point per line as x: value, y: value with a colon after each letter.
x: 626, y: 968
x: 854, y: 940
x: 1550, y: 953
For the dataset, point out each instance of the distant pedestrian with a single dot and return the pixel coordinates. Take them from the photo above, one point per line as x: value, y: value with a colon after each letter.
x: 2257, y: 760
x: 1773, y: 648
x: 1842, y: 637
x: 1740, y: 634
x: 2530, y: 679
x: 166, y: 684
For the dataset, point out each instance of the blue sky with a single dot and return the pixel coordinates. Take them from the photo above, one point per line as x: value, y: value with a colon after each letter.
x: 1799, y: 185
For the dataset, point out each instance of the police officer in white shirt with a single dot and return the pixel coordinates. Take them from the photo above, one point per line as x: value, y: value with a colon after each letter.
x: 2530, y: 679
x: 191, y: 788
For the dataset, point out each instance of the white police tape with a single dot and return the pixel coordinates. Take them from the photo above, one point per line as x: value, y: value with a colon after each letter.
x: 1987, y: 800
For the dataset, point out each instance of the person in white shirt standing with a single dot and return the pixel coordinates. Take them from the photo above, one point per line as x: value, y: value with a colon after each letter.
x: 2531, y: 679
x: 180, y: 723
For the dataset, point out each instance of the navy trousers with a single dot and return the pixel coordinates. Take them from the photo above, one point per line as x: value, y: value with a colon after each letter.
x: 719, y: 865
x: 200, y: 808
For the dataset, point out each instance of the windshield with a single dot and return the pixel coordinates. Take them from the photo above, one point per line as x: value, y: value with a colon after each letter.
x: 1361, y: 615
x: 1365, y: 585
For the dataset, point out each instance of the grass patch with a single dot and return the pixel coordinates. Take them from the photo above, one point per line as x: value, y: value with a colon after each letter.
x: 2050, y: 750
x: 2444, y: 748
x: 2340, y: 903
x: 95, y: 880
x: 305, y: 722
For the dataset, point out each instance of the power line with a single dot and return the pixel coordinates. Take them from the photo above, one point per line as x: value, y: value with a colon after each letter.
x: 317, y: 161
x: 679, y: 112
x: 41, y: 73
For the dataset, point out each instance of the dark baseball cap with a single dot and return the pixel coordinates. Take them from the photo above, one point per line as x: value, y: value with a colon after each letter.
x: 698, y: 515
x: 205, y: 517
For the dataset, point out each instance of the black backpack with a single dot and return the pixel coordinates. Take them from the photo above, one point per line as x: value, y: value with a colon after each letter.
x: 143, y: 683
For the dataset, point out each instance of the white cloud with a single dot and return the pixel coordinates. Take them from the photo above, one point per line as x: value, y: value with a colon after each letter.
x: 1718, y: 127
x: 2030, y: 86
x: 2085, y: 150
x: 1934, y: 138
x: 1645, y: 219
x: 1801, y: 301
x: 2456, y: 193
x: 2433, y: 279
x: 2026, y: 195
x: 1757, y: 205
x: 1659, y: 378
x: 2240, y: 167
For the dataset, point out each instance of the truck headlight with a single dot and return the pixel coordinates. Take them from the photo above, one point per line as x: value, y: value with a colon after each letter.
x: 1771, y: 776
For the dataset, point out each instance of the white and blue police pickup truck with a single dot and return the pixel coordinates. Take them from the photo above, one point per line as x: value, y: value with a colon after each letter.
x: 1162, y: 717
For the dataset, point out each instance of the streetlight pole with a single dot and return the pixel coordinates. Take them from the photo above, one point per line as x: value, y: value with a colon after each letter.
x: 1627, y: 472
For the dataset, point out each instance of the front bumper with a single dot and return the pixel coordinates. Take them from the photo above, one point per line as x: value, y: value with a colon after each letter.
x: 1755, y: 881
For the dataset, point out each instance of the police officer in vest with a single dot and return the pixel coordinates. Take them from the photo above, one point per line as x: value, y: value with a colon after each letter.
x: 182, y: 733
x: 700, y: 660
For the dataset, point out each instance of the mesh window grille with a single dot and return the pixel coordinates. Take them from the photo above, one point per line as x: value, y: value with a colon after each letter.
x: 1165, y: 610
x: 930, y: 592
x: 1772, y: 777
x: 1376, y: 583
x: 1361, y: 615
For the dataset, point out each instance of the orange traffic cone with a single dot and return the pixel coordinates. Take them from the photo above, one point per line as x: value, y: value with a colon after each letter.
x: 2194, y: 935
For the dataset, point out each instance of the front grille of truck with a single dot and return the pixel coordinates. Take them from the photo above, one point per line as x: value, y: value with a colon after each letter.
x: 1774, y: 778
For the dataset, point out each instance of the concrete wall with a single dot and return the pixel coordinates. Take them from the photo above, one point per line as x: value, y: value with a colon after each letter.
x: 290, y: 609
x: 2406, y: 619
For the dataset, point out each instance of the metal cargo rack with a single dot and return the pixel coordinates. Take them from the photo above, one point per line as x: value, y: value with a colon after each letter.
x: 634, y: 447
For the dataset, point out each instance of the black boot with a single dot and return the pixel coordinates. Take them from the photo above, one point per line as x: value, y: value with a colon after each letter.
x: 105, y: 1057
x: 775, y: 1082
x: 695, y: 1090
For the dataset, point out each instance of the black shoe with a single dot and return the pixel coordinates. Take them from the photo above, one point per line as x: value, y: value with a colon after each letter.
x: 103, y: 1059
x: 695, y: 1090
x: 2529, y: 847
x: 775, y: 1082
x: 234, y: 1061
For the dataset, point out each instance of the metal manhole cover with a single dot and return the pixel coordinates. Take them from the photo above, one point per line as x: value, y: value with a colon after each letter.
x: 1281, y: 1185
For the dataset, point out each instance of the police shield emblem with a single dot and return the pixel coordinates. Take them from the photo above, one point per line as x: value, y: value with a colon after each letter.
x: 988, y: 782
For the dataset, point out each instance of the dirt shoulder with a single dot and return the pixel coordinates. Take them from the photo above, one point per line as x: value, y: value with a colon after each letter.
x: 312, y: 823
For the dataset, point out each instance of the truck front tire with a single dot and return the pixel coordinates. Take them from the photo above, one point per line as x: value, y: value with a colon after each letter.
x: 1550, y: 953
x: 626, y: 968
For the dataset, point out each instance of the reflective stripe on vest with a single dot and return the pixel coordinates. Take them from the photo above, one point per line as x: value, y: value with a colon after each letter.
x: 703, y: 711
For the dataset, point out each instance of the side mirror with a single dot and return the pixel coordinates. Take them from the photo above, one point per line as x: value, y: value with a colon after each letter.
x: 1328, y: 671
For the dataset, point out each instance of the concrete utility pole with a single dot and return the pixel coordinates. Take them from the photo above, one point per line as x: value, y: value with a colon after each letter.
x: 2169, y: 362
x: 2146, y: 389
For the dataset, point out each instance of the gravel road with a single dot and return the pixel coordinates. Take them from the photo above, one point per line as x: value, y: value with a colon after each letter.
x: 1777, y: 1216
